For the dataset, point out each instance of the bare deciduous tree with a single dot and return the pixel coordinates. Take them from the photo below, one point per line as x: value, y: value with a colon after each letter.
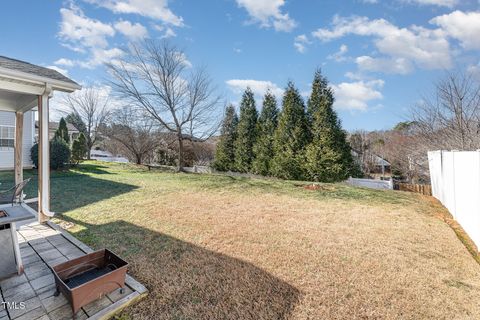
x: 407, y: 154
x: 133, y: 132
x: 450, y: 119
x: 399, y: 146
x: 361, y: 143
x: 91, y: 107
x: 157, y: 78
x: 204, y: 152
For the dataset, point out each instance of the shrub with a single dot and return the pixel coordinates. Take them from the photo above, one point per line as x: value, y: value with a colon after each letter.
x: 59, y: 154
x: 34, y: 154
x: 62, y: 131
x: 79, y: 148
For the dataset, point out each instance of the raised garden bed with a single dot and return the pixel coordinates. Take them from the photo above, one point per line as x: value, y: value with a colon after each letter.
x: 90, y: 277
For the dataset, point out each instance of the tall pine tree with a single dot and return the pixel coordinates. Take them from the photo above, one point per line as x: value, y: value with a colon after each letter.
x: 328, y: 156
x: 266, y: 125
x: 246, y: 132
x: 225, y: 153
x: 291, y: 137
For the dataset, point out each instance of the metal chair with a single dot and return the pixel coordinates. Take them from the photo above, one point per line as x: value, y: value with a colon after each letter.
x: 14, y: 195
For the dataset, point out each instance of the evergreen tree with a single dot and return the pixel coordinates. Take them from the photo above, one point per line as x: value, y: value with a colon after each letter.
x: 225, y: 153
x: 291, y: 137
x: 329, y: 157
x: 266, y: 125
x: 246, y: 132
x: 62, y: 131
x: 79, y: 148
x: 75, y: 120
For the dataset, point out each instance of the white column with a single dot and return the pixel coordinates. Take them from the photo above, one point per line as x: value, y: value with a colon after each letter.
x: 18, y: 156
x: 43, y: 158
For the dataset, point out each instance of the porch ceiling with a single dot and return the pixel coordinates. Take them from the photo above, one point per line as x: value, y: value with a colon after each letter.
x: 16, y: 101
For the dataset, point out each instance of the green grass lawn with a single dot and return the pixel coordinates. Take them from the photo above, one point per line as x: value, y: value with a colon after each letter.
x: 218, y: 247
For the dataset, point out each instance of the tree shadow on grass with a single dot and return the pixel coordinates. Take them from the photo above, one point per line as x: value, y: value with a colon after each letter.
x: 95, y: 168
x: 187, y: 281
x: 72, y: 189
x: 80, y: 190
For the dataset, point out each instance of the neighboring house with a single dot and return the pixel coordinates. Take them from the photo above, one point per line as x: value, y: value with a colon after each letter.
x: 52, y: 128
x: 7, y: 139
x: 101, y: 155
x: 377, y: 163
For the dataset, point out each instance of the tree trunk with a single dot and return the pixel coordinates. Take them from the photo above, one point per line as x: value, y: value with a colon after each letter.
x: 89, y: 147
x: 180, y: 153
x: 139, y: 159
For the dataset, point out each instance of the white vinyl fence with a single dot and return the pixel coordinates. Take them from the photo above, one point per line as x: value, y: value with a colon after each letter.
x: 455, y: 178
x: 370, y: 183
x: 198, y: 169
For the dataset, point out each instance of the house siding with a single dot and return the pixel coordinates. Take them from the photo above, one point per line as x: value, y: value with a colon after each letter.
x: 7, y: 156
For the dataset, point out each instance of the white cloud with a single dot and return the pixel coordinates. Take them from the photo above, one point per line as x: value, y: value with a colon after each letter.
x: 354, y: 75
x: 184, y: 59
x: 301, y: 42
x: 474, y: 70
x: 356, y: 95
x: 76, y: 28
x: 441, y: 3
x: 258, y: 87
x: 101, y: 56
x: 339, y: 56
x: 463, y: 26
x: 169, y: 33
x: 72, y: 47
x: 393, y: 66
x: 424, y: 47
x: 133, y: 31
x: 154, y: 9
x: 64, y: 62
x: 85, y: 35
x: 58, y: 107
x: 61, y: 70
x: 97, y: 57
x: 370, y: 1
x: 268, y: 13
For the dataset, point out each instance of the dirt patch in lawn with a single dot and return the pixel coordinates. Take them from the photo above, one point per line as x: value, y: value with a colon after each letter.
x: 315, y: 187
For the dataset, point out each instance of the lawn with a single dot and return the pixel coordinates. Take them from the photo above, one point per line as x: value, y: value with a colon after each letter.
x: 217, y: 247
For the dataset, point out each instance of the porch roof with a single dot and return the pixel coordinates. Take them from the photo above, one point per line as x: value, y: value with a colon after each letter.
x: 22, y: 82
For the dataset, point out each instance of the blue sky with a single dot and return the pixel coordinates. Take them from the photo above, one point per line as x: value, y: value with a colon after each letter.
x: 380, y: 56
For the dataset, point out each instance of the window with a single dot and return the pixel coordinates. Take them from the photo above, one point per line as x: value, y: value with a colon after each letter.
x: 7, y: 137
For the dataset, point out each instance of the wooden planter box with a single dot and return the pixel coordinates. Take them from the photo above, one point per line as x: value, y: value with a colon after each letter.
x: 90, y: 277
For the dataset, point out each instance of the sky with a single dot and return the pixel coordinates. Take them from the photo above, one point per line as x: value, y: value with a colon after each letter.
x: 380, y: 56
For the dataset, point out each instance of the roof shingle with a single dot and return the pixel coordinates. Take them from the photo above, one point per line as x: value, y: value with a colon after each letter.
x: 26, y: 67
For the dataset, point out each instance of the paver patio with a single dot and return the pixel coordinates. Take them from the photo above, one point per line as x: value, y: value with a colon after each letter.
x: 30, y: 296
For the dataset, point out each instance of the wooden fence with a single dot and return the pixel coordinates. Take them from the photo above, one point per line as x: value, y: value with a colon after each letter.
x: 424, y: 189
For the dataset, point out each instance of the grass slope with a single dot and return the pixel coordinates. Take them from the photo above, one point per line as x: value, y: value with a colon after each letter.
x: 217, y: 247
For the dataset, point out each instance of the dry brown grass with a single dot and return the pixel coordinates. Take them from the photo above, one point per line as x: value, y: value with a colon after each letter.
x: 209, y: 248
